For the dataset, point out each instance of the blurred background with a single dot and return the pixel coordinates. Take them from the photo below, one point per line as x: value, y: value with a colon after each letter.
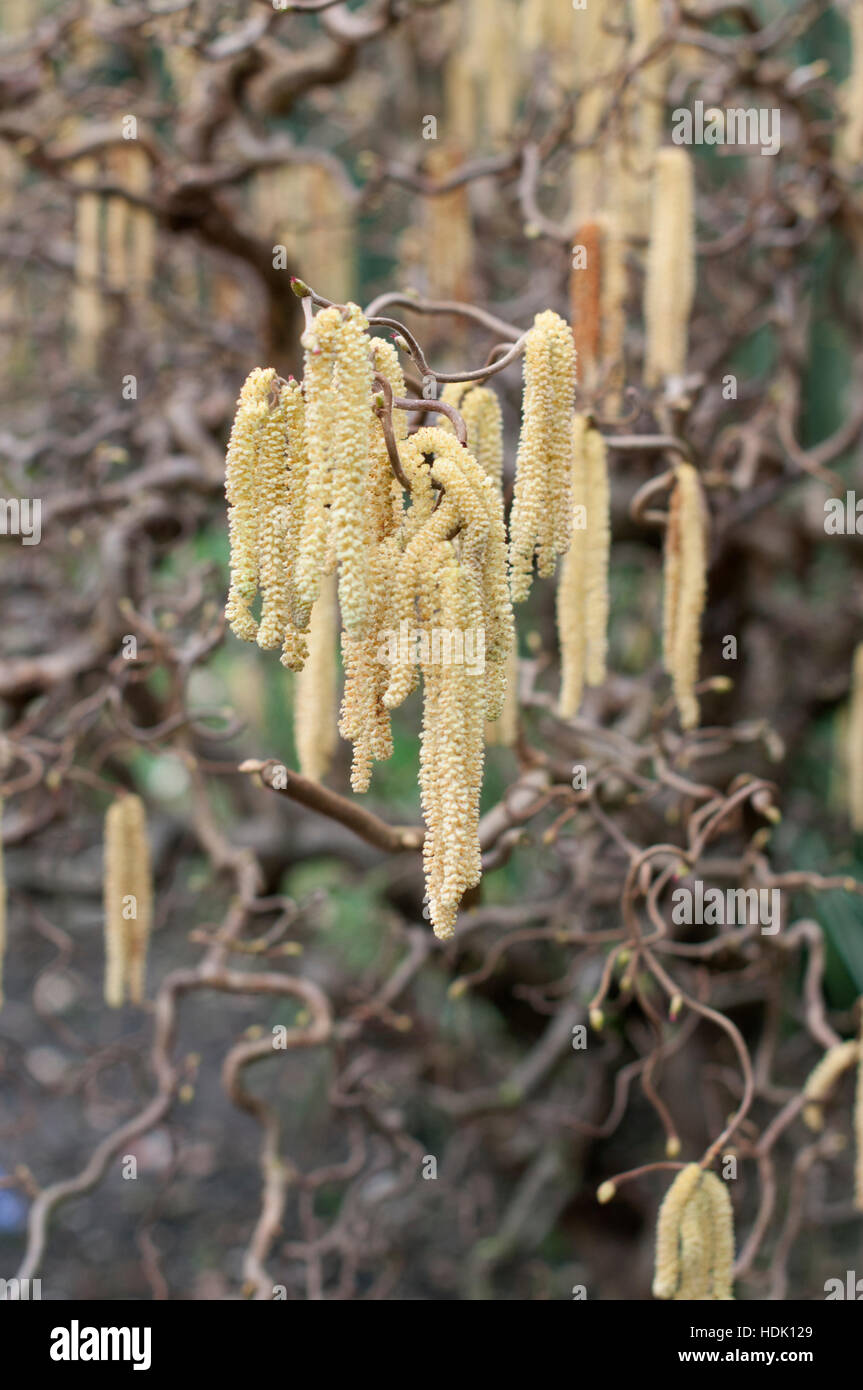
x: 166, y: 167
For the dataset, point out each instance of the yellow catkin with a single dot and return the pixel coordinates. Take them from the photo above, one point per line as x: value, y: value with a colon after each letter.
x: 651, y: 82
x: 364, y: 718
x: 316, y: 689
x: 858, y: 1118
x: 88, y: 313
x: 667, y: 1267
x: 451, y: 753
x: 670, y: 277
x: 695, y: 1239
x: 479, y: 407
x: 503, y: 732
x: 540, y: 517
x: 447, y: 232
x: 854, y: 742
x: 2, y: 908
x: 685, y: 587
x: 127, y: 901
x: 142, y: 253
x: 849, y: 140
x: 582, y: 596
x: 481, y: 78
x: 338, y: 384
x: 695, y: 1248
x: 243, y: 503
x: 450, y: 589
x: 823, y: 1077
x: 117, y: 225
x: 480, y: 410
x: 612, y: 310
x: 271, y: 494
x: 721, y: 1217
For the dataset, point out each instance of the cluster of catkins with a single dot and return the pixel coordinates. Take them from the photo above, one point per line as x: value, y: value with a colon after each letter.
x: 421, y: 575
x: 321, y: 523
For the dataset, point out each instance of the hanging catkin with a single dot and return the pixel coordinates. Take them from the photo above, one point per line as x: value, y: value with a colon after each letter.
x: 447, y: 230
x: 241, y: 490
x: 670, y: 278
x: 858, y: 1116
x: 582, y: 595
x: 2, y: 907
x: 540, y: 517
x: 127, y: 901
x: 87, y: 305
x: 849, y: 140
x: 854, y: 742
x: 694, y: 1239
x: 337, y: 384
x: 822, y: 1079
x: 685, y: 588
x: 316, y: 705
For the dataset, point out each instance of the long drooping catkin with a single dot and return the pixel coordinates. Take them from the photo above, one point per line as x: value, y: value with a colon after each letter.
x: 685, y: 588
x: 849, y: 140
x: 2, y: 909
x: 243, y: 507
x: 316, y: 704
x: 338, y: 381
x: 720, y: 1215
x: 451, y: 750
x: 127, y: 901
x: 858, y: 1116
x: 540, y: 517
x: 87, y: 306
x: 582, y: 596
x: 822, y: 1079
x: 667, y: 1267
x: 447, y: 230
x: 669, y: 284
x: 695, y: 1239
x: 854, y: 742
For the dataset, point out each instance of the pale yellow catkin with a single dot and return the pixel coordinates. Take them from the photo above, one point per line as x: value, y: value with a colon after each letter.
x: 482, y: 74
x: 540, y: 519
x: 503, y: 732
x: 858, y: 1117
x: 854, y: 742
x: 582, y: 596
x: 480, y: 410
x: 650, y: 85
x: 337, y: 386
x: 88, y: 313
x: 695, y: 1239
x: 2, y: 908
x: 695, y: 1248
x: 451, y: 754
x: 316, y: 690
x: 822, y: 1079
x: 721, y: 1218
x: 669, y: 285
x: 127, y: 901
x: 243, y: 503
x: 667, y: 1264
x: 849, y: 139
x: 685, y: 588
x: 142, y: 254
x: 447, y: 232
